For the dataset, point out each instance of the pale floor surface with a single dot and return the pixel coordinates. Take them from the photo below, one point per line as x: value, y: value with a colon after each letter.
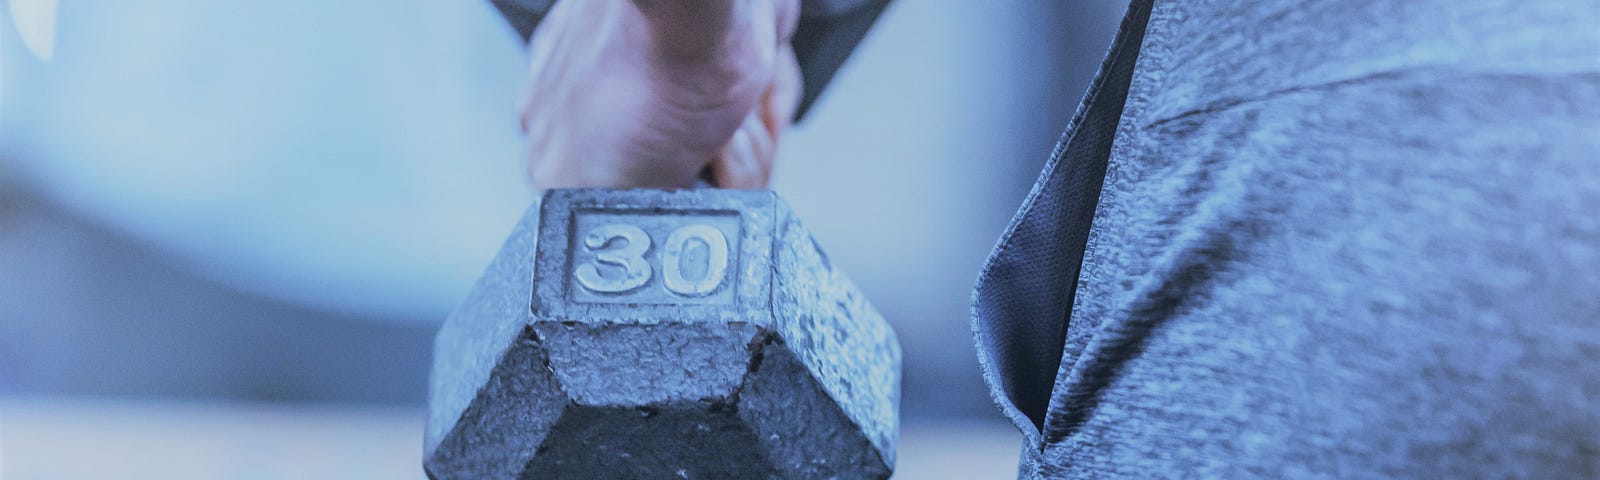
x: 69, y: 438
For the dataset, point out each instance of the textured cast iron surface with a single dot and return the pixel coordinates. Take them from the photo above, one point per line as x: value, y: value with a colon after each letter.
x: 781, y: 371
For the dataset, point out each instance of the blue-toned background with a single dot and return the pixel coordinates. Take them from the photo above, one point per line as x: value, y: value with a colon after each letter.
x: 233, y: 206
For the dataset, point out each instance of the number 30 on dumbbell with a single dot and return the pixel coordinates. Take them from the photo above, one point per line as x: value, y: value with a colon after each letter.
x: 663, y: 334
x: 624, y: 245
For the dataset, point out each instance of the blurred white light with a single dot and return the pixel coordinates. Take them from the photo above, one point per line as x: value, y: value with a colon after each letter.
x: 36, y: 24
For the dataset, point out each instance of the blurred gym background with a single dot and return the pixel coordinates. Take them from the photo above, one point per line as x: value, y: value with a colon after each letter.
x: 228, y: 230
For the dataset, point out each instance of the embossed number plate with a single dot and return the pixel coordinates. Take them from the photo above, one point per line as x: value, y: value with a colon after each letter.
x: 656, y: 257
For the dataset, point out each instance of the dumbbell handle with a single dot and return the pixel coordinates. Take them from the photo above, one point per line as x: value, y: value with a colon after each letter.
x: 829, y: 30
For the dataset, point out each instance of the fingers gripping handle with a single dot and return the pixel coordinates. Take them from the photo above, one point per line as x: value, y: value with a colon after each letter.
x: 829, y: 30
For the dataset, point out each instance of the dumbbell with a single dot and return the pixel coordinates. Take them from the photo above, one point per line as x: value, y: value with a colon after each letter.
x: 638, y: 334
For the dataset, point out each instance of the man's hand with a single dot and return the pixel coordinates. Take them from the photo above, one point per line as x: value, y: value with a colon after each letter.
x: 648, y: 93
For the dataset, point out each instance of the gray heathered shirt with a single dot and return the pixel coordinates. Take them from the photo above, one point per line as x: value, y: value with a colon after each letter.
x: 1342, y: 238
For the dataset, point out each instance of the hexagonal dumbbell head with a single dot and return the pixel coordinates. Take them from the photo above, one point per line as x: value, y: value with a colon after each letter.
x: 694, y: 334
